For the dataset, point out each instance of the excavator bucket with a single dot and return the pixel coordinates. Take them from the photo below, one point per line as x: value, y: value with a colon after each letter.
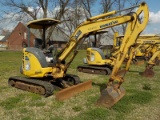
x: 110, y: 96
x: 148, y: 73
x: 73, y: 90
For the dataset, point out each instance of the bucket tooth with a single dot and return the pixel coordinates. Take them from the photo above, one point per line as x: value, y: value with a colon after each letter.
x: 147, y: 73
x: 73, y: 90
x: 110, y: 96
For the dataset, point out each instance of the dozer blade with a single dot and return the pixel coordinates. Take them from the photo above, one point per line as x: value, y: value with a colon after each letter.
x: 73, y: 90
x: 147, y: 73
x: 110, y: 96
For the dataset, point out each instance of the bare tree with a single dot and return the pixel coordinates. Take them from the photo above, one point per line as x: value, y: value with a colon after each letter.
x: 59, y: 14
x: 106, y: 6
x: 30, y: 10
x: 88, y: 5
x: 109, y: 5
x: 79, y: 11
x: 120, y: 5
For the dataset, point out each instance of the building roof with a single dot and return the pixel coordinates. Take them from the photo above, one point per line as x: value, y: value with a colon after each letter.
x: 1, y: 37
x: 57, y: 35
x: 5, y: 37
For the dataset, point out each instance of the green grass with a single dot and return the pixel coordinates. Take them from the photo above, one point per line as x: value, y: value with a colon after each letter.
x: 141, y: 101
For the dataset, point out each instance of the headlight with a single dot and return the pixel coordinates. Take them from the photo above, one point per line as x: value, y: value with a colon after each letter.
x: 92, y: 58
x: 27, y: 66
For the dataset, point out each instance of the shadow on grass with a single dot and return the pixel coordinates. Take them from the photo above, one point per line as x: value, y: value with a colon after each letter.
x: 129, y: 102
x: 126, y: 104
x: 139, y: 72
x: 134, y: 71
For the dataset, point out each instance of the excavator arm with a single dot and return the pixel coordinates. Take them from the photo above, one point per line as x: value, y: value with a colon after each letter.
x: 114, y: 91
x: 90, y: 26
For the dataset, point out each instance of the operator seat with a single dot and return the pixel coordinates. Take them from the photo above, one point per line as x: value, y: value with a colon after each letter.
x: 38, y: 53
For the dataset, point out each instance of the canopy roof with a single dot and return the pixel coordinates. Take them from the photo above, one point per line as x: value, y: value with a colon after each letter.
x: 42, y: 23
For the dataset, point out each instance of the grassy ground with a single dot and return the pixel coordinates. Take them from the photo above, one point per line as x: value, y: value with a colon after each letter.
x: 141, y: 101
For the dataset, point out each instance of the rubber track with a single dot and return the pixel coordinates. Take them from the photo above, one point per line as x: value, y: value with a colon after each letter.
x: 49, y: 88
x: 96, y: 68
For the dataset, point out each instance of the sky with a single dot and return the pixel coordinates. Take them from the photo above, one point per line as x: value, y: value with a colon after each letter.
x: 154, y: 17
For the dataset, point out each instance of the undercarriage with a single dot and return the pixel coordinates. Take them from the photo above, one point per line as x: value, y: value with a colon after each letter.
x: 103, y: 70
x: 43, y: 86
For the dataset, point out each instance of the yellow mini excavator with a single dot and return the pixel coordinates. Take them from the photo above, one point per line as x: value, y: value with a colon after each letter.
x: 42, y: 69
x: 41, y: 77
